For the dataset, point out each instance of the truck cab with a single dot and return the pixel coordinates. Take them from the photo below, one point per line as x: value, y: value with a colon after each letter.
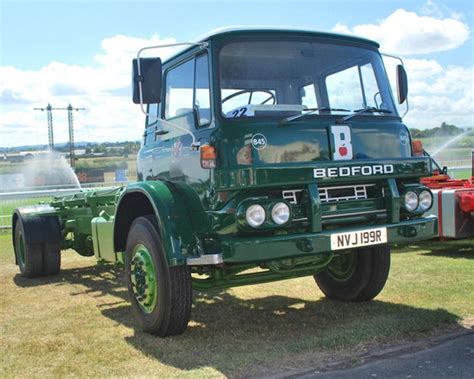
x: 297, y: 160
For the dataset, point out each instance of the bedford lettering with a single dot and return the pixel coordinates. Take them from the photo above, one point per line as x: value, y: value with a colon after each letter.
x: 366, y: 170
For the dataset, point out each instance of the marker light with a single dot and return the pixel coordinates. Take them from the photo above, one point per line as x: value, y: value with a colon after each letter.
x: 425, y: 199
x: 208, y: 156
x: 280, y: 213
x: 255, y: 215
x: 411, y: 201
x: 417, y: 148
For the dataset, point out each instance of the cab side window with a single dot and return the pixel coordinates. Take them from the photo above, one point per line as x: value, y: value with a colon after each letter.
x: 188, y: 89
x: 179, y: 90
x: 202, y: 93
x: 151, y: 123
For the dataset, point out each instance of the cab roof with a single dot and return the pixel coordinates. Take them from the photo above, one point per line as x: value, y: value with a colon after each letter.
x: 245, y: 30
x: 239, y: 31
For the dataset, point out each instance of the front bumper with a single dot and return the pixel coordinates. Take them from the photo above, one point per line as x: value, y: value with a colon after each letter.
x: 258, y: 249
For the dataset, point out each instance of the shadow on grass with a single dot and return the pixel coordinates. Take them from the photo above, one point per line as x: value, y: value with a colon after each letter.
x: 446, y: 249
x: 97, y: 280
x: 236, y: 336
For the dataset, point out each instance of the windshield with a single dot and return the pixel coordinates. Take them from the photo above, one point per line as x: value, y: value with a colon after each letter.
x: 286, y: 78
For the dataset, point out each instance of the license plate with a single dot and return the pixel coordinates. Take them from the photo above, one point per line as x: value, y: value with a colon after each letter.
x: 360, y: 238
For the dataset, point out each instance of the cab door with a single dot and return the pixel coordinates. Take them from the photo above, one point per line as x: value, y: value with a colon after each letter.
x: 186, y: 104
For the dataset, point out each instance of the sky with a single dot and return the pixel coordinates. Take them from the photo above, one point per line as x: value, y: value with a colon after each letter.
x: 80, y: 52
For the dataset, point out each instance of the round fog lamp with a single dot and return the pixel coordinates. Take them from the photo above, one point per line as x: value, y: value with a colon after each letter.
x: 411, y: 201
x: 255, y: 215
x: 280, y: 213
x: 425, y: 200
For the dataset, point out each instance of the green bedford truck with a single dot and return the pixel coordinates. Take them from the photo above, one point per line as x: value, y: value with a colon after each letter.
x: 267, y: 155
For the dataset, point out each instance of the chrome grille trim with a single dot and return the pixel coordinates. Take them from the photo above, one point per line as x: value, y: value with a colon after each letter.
x: 290, y: 195
x: 360, y: 193
x: 326, y: 196
x: 377, y: 211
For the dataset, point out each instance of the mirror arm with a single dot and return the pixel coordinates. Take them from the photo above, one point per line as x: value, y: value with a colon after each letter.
x: 407, y: 106
x: 202, y: 45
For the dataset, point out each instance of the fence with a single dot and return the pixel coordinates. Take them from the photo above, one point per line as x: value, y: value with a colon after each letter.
x: 11, y: 200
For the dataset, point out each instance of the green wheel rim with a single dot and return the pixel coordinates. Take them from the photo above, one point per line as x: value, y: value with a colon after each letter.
x: 343, y: 267
x: 21, y: 249
x: 143, y: 278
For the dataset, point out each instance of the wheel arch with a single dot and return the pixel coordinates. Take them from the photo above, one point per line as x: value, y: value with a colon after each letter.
x: 169, y: 207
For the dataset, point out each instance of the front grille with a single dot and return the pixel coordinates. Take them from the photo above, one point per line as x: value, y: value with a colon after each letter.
x: 293, y: 196
x: 345, y: 193
x: 335, y: 194
x: 332, y: 199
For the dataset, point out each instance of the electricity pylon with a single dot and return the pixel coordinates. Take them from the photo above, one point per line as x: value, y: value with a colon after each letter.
x: 49, y: 110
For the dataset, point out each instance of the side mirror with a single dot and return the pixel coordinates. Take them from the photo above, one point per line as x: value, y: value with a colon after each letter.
x: 150, y: 77
x: 402, y: 84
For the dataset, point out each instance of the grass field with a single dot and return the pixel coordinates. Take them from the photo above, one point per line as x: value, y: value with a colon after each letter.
x: 7, y: 207
x: 79, y: 323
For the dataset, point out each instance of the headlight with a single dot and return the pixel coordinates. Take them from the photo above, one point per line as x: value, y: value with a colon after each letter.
x: 411, y: 201
x: 255, y: 215
x: 280, y: 213
x: 425, y: 199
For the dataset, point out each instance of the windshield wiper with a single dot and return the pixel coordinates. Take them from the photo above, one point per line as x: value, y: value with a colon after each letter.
x: 360, y: 111
x: 287, y: 120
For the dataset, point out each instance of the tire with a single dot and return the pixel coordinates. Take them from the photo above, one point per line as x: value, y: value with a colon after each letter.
x: 356, y: 276
x: 163, y: 309
x: 51, y: 259
x: 28, y: 256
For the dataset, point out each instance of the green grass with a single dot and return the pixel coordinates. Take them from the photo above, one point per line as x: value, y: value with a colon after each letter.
x: 460, y: 174
x: 7, y: 207
x: 80, y: 322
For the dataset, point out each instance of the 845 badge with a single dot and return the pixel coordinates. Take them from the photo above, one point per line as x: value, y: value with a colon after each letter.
x: 259, y: 141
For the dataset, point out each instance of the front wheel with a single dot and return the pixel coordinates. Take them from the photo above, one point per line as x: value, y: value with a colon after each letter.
x: 161, y: 296
x: 356, y: 276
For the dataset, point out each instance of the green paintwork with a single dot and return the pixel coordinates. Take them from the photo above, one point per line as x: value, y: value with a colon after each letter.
x: 103, y: 238
x: 201, y: 211
x: 178, y: 215
x: 143, y: 278
x: 257, y: 249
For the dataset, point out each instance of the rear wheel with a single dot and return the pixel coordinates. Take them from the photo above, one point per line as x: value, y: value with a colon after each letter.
x: 28, y: 256
x: 51, y: 259
x: 161, y: 296
x: 356, y: 276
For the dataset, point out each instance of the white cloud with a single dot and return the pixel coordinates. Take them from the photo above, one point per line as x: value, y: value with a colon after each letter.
x: 437, y: 93
x: 407, y: 33
x: 103, y: 89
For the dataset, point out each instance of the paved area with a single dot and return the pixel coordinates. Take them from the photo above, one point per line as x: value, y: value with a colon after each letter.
x: 452, y: 358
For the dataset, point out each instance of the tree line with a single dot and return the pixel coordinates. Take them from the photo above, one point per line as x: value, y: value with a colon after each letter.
x: 445, y: 130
